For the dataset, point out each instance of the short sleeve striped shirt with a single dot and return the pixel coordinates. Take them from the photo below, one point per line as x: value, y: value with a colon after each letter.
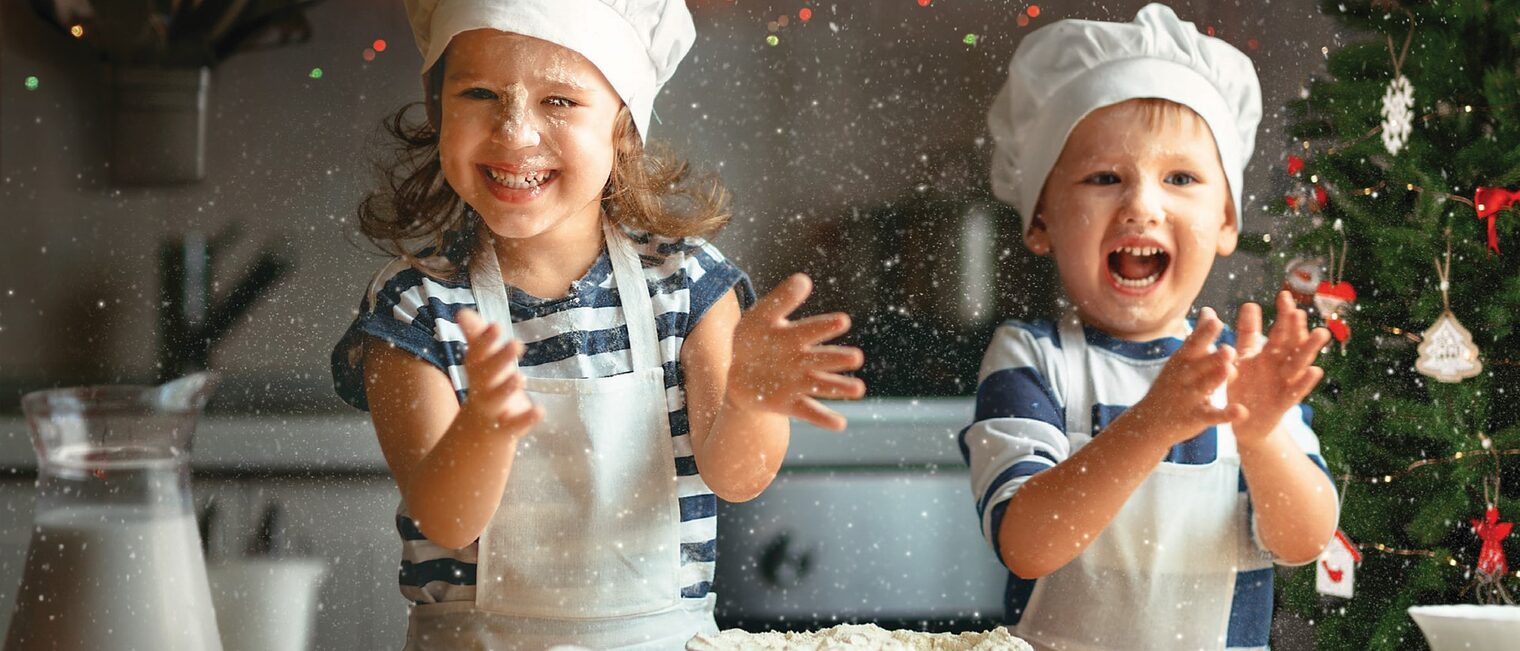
x: 1019, y: 430
x: 581, y: 335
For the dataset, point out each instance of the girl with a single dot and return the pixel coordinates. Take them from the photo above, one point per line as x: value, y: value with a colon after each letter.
x: 559, y: 376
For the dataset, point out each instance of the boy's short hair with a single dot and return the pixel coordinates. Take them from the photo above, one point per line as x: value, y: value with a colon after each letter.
x: 1064, y: 71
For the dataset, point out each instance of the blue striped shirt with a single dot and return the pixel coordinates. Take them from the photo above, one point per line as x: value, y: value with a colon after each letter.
x: 1019, y: 430
x: 581, y: 335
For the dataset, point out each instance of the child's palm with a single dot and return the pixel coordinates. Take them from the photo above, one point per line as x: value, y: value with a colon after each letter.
x: 1274, y: 374
x: 781, y: 366
x: 496, y: 391
x: 1181, y: 394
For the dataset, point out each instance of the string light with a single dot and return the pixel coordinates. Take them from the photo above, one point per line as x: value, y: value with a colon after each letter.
x: 1459, y: 455
x: 77, y: 31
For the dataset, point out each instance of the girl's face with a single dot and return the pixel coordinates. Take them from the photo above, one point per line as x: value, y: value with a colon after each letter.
x: 526, y: 132
x: 1134, y: 211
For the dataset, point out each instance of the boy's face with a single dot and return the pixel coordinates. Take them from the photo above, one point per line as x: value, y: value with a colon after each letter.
x: 1134, y: 211
x: 526, y: 131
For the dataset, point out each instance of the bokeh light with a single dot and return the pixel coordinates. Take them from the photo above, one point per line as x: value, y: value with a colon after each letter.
x: 772, y: 40
x: 806, y: 14
x: 379, y: 45
x: 1033, y: 11
x: 32, y: 83
x: 77, y: 31
x: 316, y: 73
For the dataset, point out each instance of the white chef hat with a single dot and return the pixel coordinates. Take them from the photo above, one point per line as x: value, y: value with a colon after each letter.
x: 1068, y: 69
x: 636, y: 44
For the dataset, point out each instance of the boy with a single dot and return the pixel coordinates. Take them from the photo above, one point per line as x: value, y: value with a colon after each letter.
x: 1136, y: 474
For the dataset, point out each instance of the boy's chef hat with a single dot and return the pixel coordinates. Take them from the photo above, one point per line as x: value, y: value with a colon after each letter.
x: 1070, y: 68
x: 635, y: 43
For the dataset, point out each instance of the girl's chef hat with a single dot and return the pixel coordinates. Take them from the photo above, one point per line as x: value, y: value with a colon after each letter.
x: 1070, y: 68
x: 635, y: 43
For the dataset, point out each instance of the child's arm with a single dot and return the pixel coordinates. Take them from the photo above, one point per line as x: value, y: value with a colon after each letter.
x: 1057, y: 513
x: 450, y: 461
x: 1294, y: 501
x: 746, y: 375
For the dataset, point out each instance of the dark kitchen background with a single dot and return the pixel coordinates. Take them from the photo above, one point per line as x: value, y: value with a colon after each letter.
x: 855, y: 147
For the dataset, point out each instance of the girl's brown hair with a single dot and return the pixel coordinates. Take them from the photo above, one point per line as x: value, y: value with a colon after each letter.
x: 418, y: 216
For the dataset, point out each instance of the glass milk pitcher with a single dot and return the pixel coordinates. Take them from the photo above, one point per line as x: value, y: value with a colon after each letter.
x: 115, y: 559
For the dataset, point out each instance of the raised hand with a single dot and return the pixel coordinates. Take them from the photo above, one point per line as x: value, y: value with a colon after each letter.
x: 1179, y: 399
x: 1275, y: 374
x: 496, y: 400
x: 782, y: 366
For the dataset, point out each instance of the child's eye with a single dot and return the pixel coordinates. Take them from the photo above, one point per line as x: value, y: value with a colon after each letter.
x: 478, y: 93
x: 1181, y: 178
x: 1102, y: 178
x: 561, y: 102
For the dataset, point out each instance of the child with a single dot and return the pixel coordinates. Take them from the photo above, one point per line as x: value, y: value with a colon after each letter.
x: 561, y: 382
x: 1135, y: 473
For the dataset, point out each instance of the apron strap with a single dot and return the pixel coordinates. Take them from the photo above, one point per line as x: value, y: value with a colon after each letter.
x: 627, y: 273
x: 1074, y: 348
x: 485, y: 283
x: 638, y: 309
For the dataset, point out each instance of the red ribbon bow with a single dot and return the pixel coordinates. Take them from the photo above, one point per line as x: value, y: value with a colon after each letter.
x: 1492, y: 531
x: 1489, y: 201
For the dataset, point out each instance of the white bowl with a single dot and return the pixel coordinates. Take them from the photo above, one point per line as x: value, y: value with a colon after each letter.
x: 1469, y: 627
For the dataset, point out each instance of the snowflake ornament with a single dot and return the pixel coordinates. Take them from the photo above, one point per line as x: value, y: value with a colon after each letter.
x: 1398, y: 119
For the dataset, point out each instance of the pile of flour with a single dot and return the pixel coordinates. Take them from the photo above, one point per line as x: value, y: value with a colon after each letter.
x: 858, y: 637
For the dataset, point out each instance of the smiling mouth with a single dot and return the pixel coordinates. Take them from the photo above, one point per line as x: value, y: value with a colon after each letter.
x: 1138, y: 267
x: 520, y: 180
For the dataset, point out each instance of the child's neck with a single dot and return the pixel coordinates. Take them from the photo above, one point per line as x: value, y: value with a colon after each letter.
x: 546, y: 264
x: 1177, y: 328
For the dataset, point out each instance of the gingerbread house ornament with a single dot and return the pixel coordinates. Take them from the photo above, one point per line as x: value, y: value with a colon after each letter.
x: 1448, y: 353
x: 1335, y: 573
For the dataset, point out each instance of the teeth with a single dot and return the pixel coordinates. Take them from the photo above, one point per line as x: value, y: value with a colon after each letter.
x: 1140, y: 250
x: 1143, y: 282
x: 519, y: 181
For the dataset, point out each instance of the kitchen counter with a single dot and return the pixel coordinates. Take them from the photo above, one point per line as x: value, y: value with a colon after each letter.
x: 883, y: 433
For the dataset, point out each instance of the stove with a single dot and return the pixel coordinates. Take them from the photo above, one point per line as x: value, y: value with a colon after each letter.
x: 873, y: 524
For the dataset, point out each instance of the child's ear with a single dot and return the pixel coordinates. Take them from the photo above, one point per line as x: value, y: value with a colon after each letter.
x: 1037, y: 239
x: 1229, y: 231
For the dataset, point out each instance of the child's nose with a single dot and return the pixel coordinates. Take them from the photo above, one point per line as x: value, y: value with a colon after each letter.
x: 518, y: 128
x: 1142, y: 204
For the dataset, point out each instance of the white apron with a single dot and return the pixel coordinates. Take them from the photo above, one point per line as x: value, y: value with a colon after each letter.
x: 1161, y: 575
x: 585, y: 547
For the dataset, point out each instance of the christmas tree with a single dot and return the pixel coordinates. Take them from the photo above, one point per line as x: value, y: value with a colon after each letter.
x: 1411, y: 143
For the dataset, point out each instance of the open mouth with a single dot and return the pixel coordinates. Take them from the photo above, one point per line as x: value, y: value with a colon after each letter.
x: 520, y: 180
x: 1138, y: 267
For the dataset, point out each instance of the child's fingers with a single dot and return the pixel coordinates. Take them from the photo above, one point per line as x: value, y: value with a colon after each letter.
x: 470, y: 322
x: 1203, y: 336
x: 1306, y: 382
x: 822, y: 327
x: 1234, y: 412
x: 1308, y: 349
x: 833, y: 386
x: 784, y: 299
x: 492, y: 368
x: 497, y: 393
x: 813, y: 412
x: 834, y: 358
x: 521, y: 421
x: 1248, y: 329
x: 1218, y: 368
